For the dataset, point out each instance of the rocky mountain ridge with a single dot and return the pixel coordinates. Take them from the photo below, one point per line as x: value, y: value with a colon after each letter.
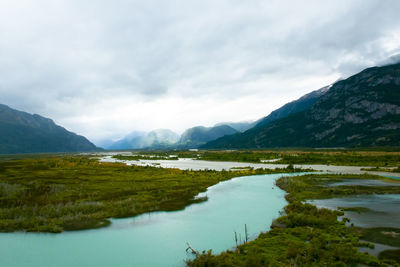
x: 362, y: 110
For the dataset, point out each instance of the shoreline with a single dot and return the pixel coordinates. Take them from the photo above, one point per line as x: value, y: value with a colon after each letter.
x: 301, y: 217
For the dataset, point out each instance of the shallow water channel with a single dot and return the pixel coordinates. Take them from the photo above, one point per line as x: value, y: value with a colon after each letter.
x: 158, y: 238
x: 194, y: 164
x: 381, y: 210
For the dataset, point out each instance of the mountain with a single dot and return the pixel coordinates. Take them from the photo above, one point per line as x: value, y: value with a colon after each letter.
x: 295, y: 106
x: 199, y: 135
x: 167, y: 139
x: 132, y: 140
x: 298, y: 105
x: 362, y: 110
x: 105, y: 142
x: 193, y: 137
x: 161, y: 138
x: 303, y: 103
x: 238, y: 126
x: 21, y: 132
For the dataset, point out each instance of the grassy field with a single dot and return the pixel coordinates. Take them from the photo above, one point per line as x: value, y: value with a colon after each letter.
x: 61, y: 192
x: 306, y: 235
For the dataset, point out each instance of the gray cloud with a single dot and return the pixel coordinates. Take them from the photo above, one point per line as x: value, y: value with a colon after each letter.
x: 88, y: 64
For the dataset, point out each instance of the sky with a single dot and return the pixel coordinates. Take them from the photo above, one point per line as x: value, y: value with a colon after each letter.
x: 103, y: 69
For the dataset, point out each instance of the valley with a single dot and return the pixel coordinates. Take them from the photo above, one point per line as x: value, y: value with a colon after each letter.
x: 55, y: 193
x: 199, y: 133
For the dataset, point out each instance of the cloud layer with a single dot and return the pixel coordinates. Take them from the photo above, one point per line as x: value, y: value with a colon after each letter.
x: 105, y: 68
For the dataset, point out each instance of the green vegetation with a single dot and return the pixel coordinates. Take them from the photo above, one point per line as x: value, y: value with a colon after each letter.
x: 306, y: 235
x: 52, y: 193
x: 382, y: 235
x: 55, y: 193
x: 392, y: 254
x: 354, y: 209
x: 313, y: 186
x: 157, y: 156
x: 381, y: 169
x: 325, y: 157
x: 312, y: 238
x: 242, y: 168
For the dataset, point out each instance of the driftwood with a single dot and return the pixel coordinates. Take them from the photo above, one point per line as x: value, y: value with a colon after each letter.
x: 191, y: 249
x: 236, y: 239
x: 246, y: 234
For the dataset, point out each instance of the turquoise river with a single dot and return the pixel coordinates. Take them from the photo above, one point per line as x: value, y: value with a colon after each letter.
x: 158, y: 238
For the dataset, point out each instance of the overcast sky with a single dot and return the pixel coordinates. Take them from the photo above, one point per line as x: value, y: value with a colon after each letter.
x: 105, y: 68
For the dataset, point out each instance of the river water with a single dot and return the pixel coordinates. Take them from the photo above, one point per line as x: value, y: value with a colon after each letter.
x: 193, y: 164
x: 383, y: 210
x: 158, y: 238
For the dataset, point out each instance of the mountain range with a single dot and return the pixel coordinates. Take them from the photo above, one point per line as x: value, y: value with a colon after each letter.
x: 21, y: 132
x: 167, y: 139
x: 239, y: 126
x: 362, y: 110
x: 196, y: 136
x: 156, y: 139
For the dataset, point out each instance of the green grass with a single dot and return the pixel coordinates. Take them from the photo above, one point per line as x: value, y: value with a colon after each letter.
x: 61, y: 192
x: 305, y: 235
x: 382, y: 235
x: 392, y: 254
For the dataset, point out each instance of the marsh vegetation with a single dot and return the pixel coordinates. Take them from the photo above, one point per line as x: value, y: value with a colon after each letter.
x: 52, y: 194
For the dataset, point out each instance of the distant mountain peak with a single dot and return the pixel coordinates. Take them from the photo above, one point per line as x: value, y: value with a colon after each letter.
x: 315, y: 94
x: 393, y: 59
x: 240, y: 126
x: 159, y: 138
x: 198, y: 135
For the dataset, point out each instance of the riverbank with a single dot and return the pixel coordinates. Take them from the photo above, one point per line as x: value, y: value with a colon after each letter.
x: 337, y: 157
x: 157, y: 238
x: 64, y: 192
x: 306, y: 235
x: 197, y: 164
